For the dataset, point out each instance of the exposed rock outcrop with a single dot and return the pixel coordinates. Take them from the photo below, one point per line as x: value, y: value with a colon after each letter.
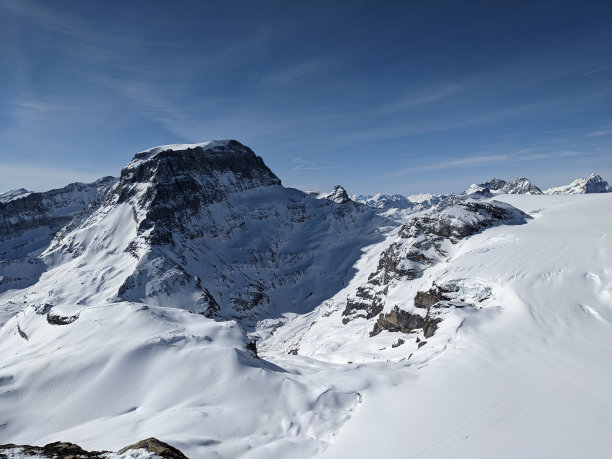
x: 424, y: 241
x: 65, y: 450
x: 156, y: 446
x: 399, y: 320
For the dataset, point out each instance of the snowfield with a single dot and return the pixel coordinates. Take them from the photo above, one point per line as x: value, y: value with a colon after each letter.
x: 513, y: 357
x: 531, y: 376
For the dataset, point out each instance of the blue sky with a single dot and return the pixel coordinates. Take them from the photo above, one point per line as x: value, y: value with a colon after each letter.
x: 406, y: 97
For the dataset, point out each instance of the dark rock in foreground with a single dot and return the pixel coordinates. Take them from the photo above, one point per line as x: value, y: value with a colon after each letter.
x: 67, y: 450
x: 158, y: 447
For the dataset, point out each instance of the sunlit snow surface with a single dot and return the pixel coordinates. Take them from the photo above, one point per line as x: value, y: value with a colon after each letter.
x: 525, y: 374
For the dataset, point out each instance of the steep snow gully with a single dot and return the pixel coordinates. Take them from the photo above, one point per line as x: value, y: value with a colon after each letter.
x: 198, y: 301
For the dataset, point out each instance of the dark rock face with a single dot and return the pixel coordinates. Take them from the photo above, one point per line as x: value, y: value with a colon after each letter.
x: 51, y: 209
x: 423, y: 242
x: 430, y: 326
x: 397, y: 321
x: 595, y: 184
x: 65, y: 450
x: 56, y: 319
x: 494, y: 184
x: 173, y: 184
x: 402, y: 321
x: 432, y: 296
x: 366, y: 304
x: 55, y: 450
x: 160, y: 448
x: 252, y: 347
x: 446, y: 296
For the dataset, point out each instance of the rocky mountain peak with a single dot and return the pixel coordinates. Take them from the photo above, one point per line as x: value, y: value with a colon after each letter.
x: 494, y: 184
x: 164, y: 182
x: 172, y: 163
x: 521, y: 185
x: 338, y: 195
x: 478, y: 190
x: 13, y: 194
x: 593, y: 184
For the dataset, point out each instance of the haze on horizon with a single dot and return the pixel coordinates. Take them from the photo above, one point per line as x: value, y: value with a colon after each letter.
x: 394, y: 97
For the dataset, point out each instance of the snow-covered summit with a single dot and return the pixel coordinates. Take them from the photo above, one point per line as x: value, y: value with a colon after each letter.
x: 338, y: 195
x: 478, y: 190
x: 384, y: 201
x: 164, y: 184
x: 494, y: 184
x: 208, y: 146
x: 593, y: 184
x: 520, y: 185
x: 13, y: 194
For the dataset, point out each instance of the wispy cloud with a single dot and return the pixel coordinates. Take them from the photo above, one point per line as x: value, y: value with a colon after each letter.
x: 601, y: 132
x: 481, y: 160
x: 296, y: 73
x: 603, y: 69
x: 301, y: 164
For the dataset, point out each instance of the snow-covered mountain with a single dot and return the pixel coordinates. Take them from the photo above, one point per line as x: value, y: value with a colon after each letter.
x: 520, y: 185
x: 198, y: 301
x: 208, y: 228
x: 337, y: 195
x: 494, y: 184
x: 13, y: 194
x: 30, y: 221
x: 478, y: 190
x: 384, y: 201
x: 593, y: 184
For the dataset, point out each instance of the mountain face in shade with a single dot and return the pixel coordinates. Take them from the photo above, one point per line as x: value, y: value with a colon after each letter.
x: 494, y: 184
x: 167, y: 183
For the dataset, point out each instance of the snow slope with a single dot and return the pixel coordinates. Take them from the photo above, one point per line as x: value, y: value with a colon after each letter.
x: 13, y: 194
x: 529, y: 377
